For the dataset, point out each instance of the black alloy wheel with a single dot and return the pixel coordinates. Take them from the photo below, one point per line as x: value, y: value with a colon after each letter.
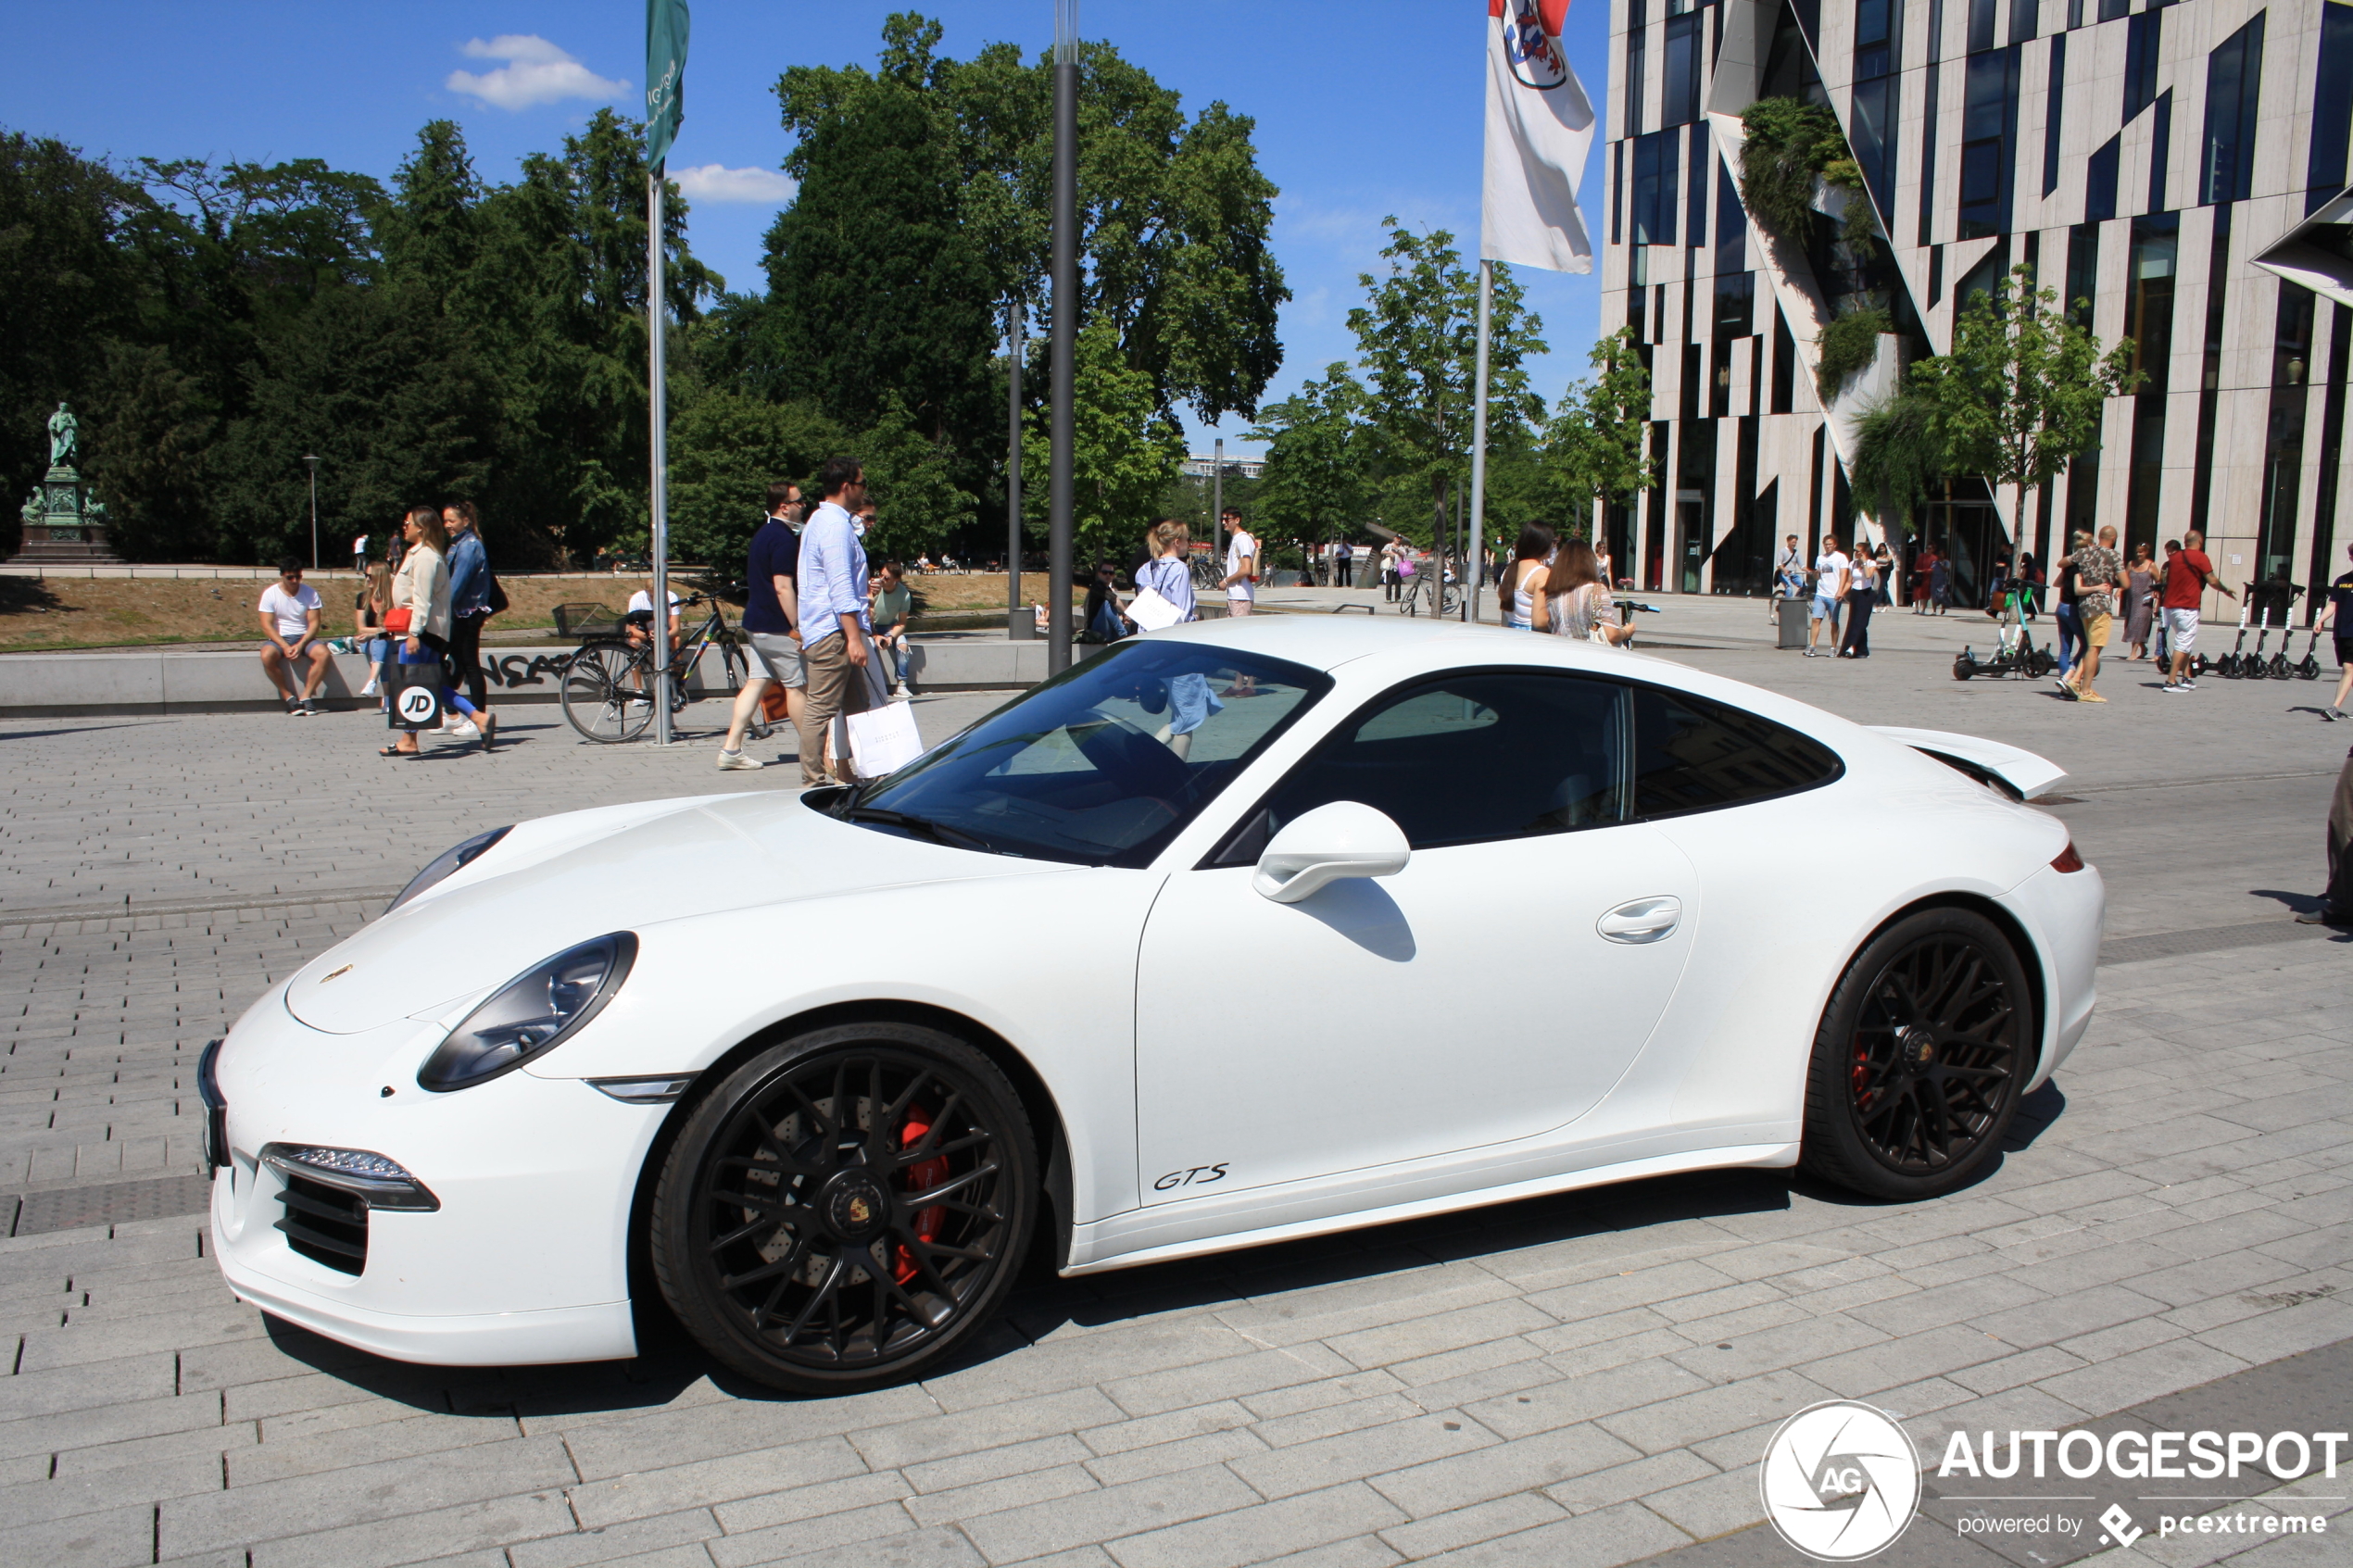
x: 847, y: 1207
x: 1920, y: 1057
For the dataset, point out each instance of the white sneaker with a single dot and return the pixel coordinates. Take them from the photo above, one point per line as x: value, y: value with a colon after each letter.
x: 731, y: 761
x: 369, y: 689
x: 465, y: 730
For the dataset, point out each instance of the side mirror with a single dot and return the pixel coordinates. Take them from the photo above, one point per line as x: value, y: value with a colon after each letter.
x: 1343, y: 839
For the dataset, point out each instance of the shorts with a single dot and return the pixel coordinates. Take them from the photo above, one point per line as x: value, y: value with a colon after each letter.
x: 2096, y: 624
x: 780, y: 658
x: 2181, y: 629
x: 1825, y: 608
x: 2345, y: 650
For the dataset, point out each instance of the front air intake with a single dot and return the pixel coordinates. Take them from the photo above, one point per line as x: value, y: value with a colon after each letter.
x: 323, y: 1225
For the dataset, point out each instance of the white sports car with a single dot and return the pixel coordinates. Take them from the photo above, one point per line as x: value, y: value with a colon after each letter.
x: 1232, y: 934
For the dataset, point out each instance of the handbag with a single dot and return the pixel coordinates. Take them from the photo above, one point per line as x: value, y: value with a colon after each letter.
x: 397, y: 622
x: 883, y: 739
x: 414, y: 691
x: 496, y: 597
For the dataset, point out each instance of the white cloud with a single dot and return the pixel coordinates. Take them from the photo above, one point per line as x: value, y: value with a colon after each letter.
x: 535, y: 72
x: 716, y: 182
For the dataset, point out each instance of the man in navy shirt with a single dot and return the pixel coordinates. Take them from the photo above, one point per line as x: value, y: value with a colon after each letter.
x: 769, y: 614
x: 2339, y: 615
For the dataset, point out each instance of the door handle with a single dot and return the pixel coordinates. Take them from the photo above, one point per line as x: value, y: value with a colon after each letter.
x: 1641, y: 920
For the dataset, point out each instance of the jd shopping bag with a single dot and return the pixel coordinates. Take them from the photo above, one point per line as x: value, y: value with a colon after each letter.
x: 416, y: 695
x: 883, y: 739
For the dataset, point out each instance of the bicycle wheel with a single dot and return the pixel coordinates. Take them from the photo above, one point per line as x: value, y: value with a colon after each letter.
x: 605, y: 693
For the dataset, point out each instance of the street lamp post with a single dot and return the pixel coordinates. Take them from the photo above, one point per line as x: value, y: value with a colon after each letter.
x: 313, y: 463
x: 1058, y: 494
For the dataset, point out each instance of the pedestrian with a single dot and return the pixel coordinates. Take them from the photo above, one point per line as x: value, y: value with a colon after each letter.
x: 374, y: 603
x: 1169, y: 574
x: 2338, y: 617
x: 1241, y: 564
x: 892, y: 603
x: 2188, y: 573
x: 2070, y: 628
x: 2140, y: 594
x: 1830, y: 572
x: 1789, y: 570
x: 421, y: 590
x: 2336, y: 903
x: 470, y: 604
x: 770, y: 611
x: 289, y: 611
x: 1102, y: 620
x: 1389, y: 576
x: 1344, y: 565
x: 1573, y: 600
x: 1535, y: 548
x: 1940, y: 585
x: 1606, y: 566
x: 2029, y: 578
x: 1862, y: 597
x: 2095, y: 569
x: 1923, y: 568
x: 1885, y: 557
x: 360, y: 555
x: 837, y: 627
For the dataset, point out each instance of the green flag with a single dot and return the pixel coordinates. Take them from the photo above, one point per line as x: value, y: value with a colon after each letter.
x: 665, y: 75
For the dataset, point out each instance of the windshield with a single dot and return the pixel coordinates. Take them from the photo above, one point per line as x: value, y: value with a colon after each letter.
x: 1101, y: 765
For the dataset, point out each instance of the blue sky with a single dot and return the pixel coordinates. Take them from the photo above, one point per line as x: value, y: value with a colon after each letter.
x: 1363, y: 110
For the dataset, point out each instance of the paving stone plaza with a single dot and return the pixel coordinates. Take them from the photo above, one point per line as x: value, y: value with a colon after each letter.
x: 1586, y: 1380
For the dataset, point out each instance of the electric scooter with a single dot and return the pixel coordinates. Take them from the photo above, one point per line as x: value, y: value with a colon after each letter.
x: 2253, y: 668
x: 2016, y: 655
x: 2277, y: 669
x: 2227, y: 665
x: 2309, y: 666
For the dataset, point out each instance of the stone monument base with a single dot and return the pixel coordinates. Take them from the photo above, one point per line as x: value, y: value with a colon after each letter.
x: 64, y: 524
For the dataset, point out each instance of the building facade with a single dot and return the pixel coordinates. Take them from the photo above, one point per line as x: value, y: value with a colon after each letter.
x: 2182, y: 167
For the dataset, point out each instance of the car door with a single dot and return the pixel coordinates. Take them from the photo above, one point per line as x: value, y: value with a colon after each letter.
x: 1492, y: 990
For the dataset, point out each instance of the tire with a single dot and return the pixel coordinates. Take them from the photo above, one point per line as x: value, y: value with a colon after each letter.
x: 600, y: 700
x: 840, y: 1282
x: 2039, y: 664
x: 1922, y: 1055
x: 1964, y: 667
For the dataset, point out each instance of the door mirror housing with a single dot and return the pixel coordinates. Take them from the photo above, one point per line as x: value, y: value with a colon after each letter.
x: 1341, y: 839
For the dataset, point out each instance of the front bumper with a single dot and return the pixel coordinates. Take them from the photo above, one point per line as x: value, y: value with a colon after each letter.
x: 524, y: 1259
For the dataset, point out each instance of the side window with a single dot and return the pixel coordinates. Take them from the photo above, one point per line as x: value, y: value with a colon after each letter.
x: 1692, y: 755
x: 1466, y: 759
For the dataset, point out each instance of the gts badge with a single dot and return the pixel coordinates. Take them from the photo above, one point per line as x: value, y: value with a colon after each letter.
x: 1200, y: 1176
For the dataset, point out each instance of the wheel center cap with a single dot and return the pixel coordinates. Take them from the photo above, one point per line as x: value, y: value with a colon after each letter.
x: 1917, y: 1047
x: 855, y: 1206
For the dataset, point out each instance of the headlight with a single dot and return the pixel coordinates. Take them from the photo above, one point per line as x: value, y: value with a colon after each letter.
x: 448, y: 863
x: 532, y: 1013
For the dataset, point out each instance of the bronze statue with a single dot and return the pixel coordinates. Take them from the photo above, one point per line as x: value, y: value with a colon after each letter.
x: 65, y: 438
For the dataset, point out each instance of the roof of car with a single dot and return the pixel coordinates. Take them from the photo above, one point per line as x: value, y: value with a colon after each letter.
x: 1326, y: 642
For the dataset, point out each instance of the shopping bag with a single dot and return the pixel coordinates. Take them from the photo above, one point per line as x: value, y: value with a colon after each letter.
x: 774, y: 705
x: 416, y: 697
x: 883, y: 739
x: 1152, y: 610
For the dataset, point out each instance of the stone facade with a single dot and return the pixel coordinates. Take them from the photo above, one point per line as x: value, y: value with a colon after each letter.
x: 2179, y: 166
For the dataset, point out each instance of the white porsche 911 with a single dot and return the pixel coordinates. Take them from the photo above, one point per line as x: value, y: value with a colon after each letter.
x: 1232, y: 934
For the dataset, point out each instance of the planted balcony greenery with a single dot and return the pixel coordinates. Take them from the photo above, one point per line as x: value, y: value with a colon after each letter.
x: 1790, y: 144
x: 1847, y: 345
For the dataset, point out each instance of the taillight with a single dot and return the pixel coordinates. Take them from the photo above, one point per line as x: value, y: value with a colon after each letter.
x: 2068, y: 860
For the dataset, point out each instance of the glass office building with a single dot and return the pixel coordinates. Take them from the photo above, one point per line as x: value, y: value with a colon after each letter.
x: 2181, y: 168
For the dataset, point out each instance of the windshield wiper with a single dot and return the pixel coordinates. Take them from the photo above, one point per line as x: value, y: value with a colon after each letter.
x: 922, y: 827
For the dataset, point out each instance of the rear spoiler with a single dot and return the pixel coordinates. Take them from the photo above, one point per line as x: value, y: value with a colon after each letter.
x: 2018, y: 774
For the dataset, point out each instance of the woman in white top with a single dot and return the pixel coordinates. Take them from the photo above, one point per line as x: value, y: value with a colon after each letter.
x: 1527, y: 561
x: 421, y: 588
x: 1574, y: 601
x: 1604, y: 566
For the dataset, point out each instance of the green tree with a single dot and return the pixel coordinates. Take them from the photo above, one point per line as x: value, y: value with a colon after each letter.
x: 2021, y: 394
x: 726, y: 447
x: 1317, y: 482
x: 1124, y: 453
x: 1595, y: 446
x: 1417, y: 336
x: 1899, y: 455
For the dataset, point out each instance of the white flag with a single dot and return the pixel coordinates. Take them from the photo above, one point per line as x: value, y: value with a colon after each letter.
x: 1539, y: 128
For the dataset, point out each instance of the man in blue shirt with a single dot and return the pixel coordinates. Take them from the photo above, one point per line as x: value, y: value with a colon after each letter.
x: 768, y: 621
x: 833, y: 619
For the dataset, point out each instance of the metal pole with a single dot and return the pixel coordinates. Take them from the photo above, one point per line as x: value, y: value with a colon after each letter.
x: 1014, y: 608
x: 1476, y: 565
x: 1216, y: 506
x: 313, y: 464
x: 1059, y: 495
x: 659, y: 406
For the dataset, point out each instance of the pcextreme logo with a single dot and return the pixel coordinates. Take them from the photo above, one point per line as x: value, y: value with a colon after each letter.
x: 1841, y: 1481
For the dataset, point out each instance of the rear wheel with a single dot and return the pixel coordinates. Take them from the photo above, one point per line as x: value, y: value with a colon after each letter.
x: 1964, y: 667
x: 605, y: 694
x: 846, y: 1209
x: 1919, y: 1059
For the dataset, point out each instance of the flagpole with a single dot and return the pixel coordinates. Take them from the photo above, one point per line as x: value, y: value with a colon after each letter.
x: 1474, y: 567
x: 1060, y: 498
x: 661, y: 447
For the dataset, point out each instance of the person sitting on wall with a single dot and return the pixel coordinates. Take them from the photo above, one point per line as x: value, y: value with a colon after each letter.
x: 289, y: 611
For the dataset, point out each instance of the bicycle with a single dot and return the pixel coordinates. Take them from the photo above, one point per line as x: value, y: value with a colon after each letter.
x: 608, y: 686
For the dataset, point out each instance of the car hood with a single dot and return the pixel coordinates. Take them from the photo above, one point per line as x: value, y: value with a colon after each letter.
x: 563, y: 880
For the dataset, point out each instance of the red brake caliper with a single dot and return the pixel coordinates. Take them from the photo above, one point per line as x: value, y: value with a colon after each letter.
x: 922, y: 1175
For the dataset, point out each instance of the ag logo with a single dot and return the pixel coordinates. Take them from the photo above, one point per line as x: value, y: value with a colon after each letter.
x: 417, y: 705
x: 1840, y: 1481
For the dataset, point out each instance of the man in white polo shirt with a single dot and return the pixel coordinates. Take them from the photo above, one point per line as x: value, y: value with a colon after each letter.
x: 1241, y: 565
x: 1830, y: 579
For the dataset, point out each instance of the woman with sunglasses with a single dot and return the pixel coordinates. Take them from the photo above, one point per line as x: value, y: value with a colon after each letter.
x: 420, y: 601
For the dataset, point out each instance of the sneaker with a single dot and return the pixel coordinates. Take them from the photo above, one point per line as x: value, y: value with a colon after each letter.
x: 310, y: 708
x: 293, y: 709
x: 371, y: 688
x: 2066, y: 691
x: 2332, y: 714
x: 2189, y: 685
x: 2174, y: 688
x: 464, y: 730
x: 729, y: 761
x: 2321, y: 917
x: 2089, y: 696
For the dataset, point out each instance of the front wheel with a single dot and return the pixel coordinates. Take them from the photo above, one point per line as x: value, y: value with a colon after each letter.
x: 1920, y: 1060
x: 846, y: 1209
x: 1964, y: 667
x: 604, y: 692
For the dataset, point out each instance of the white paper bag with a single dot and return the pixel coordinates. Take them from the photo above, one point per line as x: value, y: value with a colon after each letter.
x: 883, y: 739
x: 1151, y: 610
